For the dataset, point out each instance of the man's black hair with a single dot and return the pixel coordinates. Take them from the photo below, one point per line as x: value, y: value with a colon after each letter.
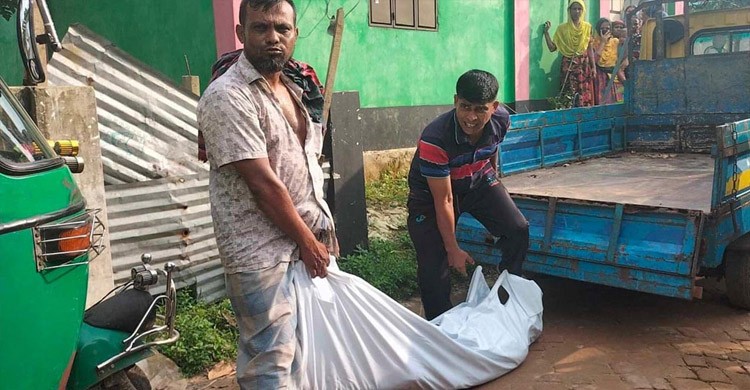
x: 263, y: 5
x: 477, y: 86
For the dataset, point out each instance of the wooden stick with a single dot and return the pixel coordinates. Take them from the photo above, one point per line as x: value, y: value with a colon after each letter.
x: 333, y: 62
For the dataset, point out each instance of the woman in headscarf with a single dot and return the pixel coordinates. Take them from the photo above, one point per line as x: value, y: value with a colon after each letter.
x: 573, y: 40
x: 605, y: 52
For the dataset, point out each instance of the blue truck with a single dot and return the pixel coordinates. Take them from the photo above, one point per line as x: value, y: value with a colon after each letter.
x: 647, y: 195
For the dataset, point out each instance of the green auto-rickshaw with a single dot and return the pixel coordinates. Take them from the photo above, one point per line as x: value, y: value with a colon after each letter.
x: 47, y: 238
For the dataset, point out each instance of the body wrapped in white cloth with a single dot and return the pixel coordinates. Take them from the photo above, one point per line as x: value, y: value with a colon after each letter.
x: 352, y: 336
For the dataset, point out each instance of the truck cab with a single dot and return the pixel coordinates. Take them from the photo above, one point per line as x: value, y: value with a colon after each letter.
x: 700, y: 32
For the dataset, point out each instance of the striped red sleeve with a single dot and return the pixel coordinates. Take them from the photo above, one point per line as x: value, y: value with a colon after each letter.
x: 432, y: 153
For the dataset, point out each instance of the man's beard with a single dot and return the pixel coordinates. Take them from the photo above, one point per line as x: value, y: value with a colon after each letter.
x: 269, y: 64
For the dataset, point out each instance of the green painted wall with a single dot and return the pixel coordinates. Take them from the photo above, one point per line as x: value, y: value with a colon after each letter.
x: 396, y: 67
x: 11, y: 68
x: 159, y: 33
x: 389, y: 67
x: 544, y: 67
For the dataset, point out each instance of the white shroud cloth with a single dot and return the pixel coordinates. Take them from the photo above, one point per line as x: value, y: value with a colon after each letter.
x: 352, y: 336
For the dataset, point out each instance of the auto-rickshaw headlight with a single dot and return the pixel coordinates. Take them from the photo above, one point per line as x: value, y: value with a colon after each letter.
x: 75, y: 240
x: 58, y: 243
x: 67, y: 241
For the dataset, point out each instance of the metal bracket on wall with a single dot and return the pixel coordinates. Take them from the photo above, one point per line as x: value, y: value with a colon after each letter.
x: 541, y: 147
x: 551, y: 210
x: 615, y: 235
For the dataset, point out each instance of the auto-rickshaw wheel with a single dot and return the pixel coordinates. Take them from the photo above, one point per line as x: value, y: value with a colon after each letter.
x: 131, y: 379
x: 138, y: 378
x: 737, y: 273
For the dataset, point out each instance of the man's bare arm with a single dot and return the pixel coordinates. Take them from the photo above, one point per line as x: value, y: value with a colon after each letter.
x: 550, y: 44
x: 442, y: 195
x: 274, y: 201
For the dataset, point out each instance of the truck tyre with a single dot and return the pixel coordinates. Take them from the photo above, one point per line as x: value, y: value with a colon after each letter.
x: 737, y: 272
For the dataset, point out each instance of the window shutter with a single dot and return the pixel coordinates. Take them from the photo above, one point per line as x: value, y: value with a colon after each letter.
x: 380, y: 12
x: 405, y: 13
x: 427, y: 12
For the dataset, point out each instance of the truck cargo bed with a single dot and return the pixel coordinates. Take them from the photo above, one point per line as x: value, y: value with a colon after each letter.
x: 680, y: 181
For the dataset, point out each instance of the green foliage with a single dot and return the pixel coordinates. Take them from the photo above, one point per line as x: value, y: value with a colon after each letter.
x: 208, y: 335
x: 8, y: 8
x: 562, y: 101
x: 390, y: 189
x: 389, y: 265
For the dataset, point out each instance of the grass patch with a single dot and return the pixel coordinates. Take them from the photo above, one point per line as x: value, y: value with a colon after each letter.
x: 388, y: 265
x: 391, y: 189
x: 208, y: 335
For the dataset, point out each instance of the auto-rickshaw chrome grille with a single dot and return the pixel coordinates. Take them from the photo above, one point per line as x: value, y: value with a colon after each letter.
x: 51, y: 243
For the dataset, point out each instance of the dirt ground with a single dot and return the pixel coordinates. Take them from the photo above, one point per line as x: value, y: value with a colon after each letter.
x: 597, y: 337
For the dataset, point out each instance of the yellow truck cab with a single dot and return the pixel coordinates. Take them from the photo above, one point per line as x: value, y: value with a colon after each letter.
x: 710, y: 32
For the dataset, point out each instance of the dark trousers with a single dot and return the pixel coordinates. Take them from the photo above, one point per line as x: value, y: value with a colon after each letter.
x: 492, y: 207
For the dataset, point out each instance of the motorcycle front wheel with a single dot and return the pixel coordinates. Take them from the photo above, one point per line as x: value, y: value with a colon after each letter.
x: 131, y: 379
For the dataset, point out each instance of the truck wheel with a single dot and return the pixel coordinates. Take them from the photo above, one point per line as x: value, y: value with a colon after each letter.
x: 737, y: 272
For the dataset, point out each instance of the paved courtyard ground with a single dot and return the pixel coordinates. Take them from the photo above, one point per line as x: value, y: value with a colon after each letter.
x: 598, y: 337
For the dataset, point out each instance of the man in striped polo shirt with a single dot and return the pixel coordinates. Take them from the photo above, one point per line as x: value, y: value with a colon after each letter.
x: 454, y: 170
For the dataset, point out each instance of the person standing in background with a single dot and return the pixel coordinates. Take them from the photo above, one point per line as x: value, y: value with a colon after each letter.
x: 605, y: 52
x: 578, y: 67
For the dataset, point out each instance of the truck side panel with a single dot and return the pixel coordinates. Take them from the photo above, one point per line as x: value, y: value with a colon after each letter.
x: 634, y: 247
x: 541, y: 139
x: 692, y: 87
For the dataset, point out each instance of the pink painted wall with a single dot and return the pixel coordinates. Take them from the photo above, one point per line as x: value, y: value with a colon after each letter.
x: 226, y: 16
x: 604, y: 7
x: 679, y: 8
x: 521, y: 43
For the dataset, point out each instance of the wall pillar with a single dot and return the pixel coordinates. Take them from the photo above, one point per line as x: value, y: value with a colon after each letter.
x: 679, y: 8
x: 347, y: 164
x: 226, y: 17
x: 522, y: 32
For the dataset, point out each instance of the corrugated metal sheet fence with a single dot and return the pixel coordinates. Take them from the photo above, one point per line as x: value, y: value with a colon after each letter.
x: 157, y: 190
x: 147, y: 125
x: 171, y: 219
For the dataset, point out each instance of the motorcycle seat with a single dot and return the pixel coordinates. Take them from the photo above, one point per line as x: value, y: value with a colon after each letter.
x: 122, y: 312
